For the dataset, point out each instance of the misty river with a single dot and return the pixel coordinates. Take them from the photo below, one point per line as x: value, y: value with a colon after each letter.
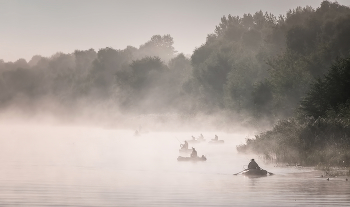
x: 87, y: 166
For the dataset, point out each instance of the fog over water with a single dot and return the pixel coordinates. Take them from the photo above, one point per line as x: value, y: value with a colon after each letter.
x: 97, y: 97
x: 89, y: 166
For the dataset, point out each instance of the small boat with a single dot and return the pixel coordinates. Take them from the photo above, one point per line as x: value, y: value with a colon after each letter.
x: 216, y: 142
x: 255, y: 172
x: 203, y: 158
x: 184, y: 150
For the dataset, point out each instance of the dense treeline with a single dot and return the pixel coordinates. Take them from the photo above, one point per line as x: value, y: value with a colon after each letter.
x: 256, y: 67
x: 148, y: 78
x: 317, y: 131
x: 262, y: 65
x: 323, y: 140
x: 329, y: 95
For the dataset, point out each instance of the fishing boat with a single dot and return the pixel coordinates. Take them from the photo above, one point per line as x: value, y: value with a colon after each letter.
x: 196, y: 140
x: 255, y: 172
x: 203, y: 158
x: 216, y: 142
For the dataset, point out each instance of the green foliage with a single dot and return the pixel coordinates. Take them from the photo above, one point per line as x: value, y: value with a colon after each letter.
x: 150, y: 86
x: 160, y: 46
x: 262, y: 98
x: 290, y: 52
x: 146, y: 72
x: 308, y: 142
x: 311, y: 48
x: 328, y: 93
x: 231, y: 61
x: 324, y: 140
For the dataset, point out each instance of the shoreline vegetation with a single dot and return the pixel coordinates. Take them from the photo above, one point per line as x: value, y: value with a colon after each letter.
x: 334, y: 171
x: 324, y: 141
x: 321, y: 171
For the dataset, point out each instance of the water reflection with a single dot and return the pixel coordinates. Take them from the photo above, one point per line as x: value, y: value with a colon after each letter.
x: 94, y: 167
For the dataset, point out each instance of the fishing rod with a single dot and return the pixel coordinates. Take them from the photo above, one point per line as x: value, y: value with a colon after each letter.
x: 240, y: 172
x: 181, y: 145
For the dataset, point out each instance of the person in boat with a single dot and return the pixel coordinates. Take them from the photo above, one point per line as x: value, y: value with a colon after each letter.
x: 253, y: 165
x: 193, y: 138
x: 194, y: 152
x: 201, y: 136
x: 184, y: 146
x: 216, y: 138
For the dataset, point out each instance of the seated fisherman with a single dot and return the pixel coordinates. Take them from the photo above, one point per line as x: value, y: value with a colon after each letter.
x: 253, y: 165
x: 194, y: 152
x: 185, y: 146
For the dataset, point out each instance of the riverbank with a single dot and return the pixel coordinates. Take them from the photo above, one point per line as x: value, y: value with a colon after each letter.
x: 334, y: 171
x: 321, y: 171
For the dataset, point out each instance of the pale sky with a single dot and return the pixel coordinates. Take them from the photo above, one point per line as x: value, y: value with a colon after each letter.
x: 44, y: 27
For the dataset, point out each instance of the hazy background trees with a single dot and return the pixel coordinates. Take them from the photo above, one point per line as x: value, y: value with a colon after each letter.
x: 256, y: 67
x: 147, y: 79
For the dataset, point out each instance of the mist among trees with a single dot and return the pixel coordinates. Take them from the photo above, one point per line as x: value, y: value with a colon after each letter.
x: 259, y: 69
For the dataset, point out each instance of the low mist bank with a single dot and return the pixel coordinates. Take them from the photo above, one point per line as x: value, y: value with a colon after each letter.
x: 112, y: 119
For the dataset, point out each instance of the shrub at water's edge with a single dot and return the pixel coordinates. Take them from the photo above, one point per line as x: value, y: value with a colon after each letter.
x: 323, y: 141
x: 319, y: 141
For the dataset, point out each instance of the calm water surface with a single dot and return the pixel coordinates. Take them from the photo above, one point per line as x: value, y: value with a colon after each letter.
x: 76, y: 166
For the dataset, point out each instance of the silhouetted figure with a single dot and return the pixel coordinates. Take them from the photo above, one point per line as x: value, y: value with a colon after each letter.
x: 253, y: 165
x: 194, y: 152
x: 216, y: 138
x: 185, y: 146
x: 201, y: 136
x: 193, y: 138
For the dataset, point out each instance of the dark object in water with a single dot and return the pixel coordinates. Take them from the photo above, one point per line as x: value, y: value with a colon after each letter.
x: 203, y: 158
x: 198, y: 140
x: 216, y: 142
x: 255, y: 172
